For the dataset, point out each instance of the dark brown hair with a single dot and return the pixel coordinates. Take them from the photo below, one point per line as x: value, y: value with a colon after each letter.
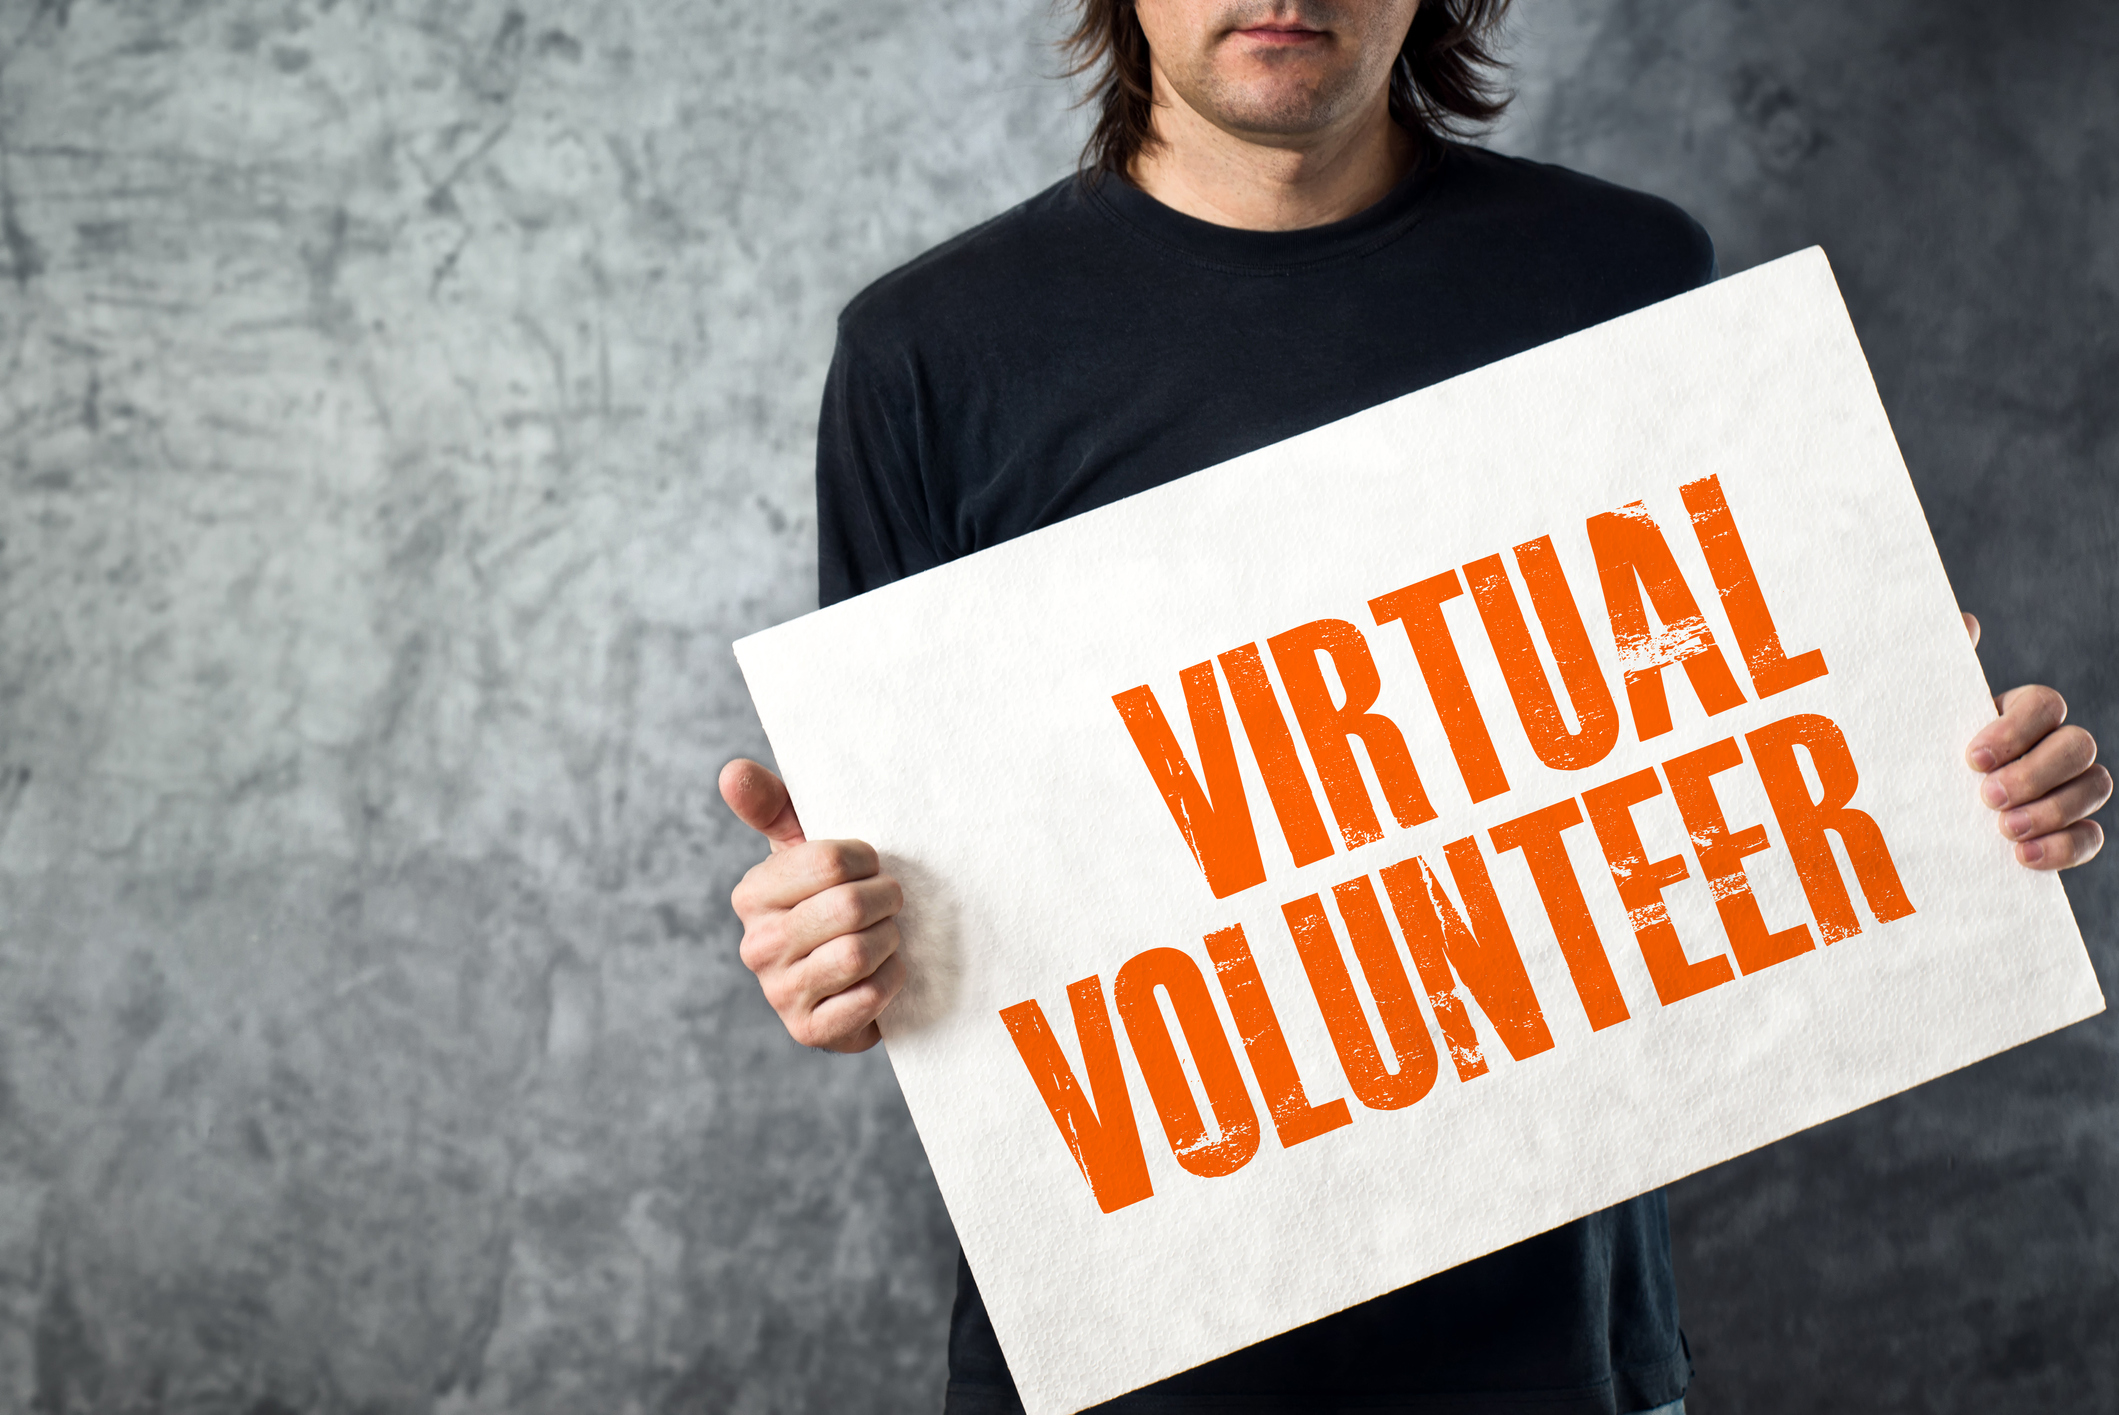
x: 1447, y: 80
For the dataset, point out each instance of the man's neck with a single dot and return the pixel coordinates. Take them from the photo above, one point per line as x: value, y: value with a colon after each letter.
x: 1270, y: 184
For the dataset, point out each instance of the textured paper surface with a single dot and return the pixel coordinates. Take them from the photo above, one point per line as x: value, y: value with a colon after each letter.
x: 964, y: 722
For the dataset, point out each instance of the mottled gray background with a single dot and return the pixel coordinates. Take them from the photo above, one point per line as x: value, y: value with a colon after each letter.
x: 406, y: 401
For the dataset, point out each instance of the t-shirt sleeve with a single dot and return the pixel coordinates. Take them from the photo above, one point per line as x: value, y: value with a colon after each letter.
x: 1706, y: 261
x: 872, y: 511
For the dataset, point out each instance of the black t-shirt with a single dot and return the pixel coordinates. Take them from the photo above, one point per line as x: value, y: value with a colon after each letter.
x: 1092, y: 343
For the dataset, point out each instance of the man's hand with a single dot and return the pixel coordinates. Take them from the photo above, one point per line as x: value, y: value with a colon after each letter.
x: 2041, y: 777
x: 820, y: 924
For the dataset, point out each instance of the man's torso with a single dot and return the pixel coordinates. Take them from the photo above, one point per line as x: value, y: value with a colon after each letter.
x: 1091, y: 344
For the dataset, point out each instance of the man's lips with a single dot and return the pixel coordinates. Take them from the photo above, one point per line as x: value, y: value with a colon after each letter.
x: 1280, y: 34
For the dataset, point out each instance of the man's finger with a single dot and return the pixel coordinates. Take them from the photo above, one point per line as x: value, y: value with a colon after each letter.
x: 760, y: 801
x: 860, y: 1041
x: 2076, y: 845
x: 1971, y: 626
x: 847, y: 1020
x: 2059, y: 759
x: 847, y: 907
x: 2027, y: 715
x: 837, y: 964
x: 792, y: 876
x: 2058, y: 809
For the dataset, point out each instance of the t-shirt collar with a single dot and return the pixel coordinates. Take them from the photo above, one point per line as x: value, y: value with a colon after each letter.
x: 1271, y: 251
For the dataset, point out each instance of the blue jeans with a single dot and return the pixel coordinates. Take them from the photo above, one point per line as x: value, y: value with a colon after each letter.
x: 1675, y: 1407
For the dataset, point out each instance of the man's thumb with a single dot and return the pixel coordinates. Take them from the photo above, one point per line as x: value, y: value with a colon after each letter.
x: 760, y: 801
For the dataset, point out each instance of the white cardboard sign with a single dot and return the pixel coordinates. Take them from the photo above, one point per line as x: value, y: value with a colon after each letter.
x: 1395, y: 842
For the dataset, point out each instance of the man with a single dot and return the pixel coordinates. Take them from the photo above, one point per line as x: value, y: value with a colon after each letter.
x: 1275, y: 231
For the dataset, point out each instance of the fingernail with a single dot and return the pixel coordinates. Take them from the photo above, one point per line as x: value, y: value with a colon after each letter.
x: 1983, y: 759
x: 2030, y: 853
x: 1994, y: 793
x: 2016, y: 822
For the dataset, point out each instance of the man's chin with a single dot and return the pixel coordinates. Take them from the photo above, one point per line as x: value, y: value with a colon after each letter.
x: 1273, y: 104
x: 1276, y: 123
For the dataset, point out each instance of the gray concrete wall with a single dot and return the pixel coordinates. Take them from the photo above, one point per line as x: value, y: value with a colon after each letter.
x: 401, y: 407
